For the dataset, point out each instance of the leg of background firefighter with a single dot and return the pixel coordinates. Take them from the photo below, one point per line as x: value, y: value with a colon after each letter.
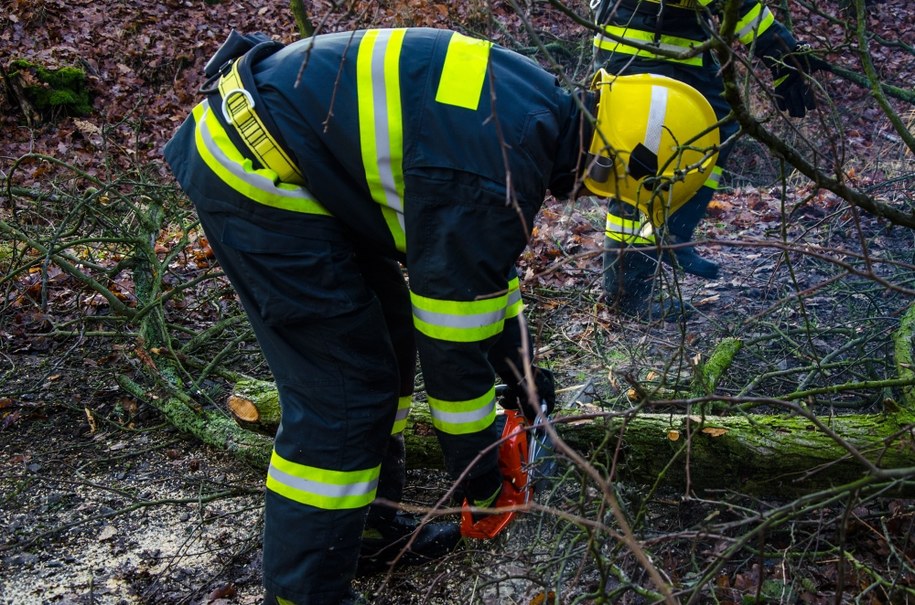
x: 387, y: 530
x: 323, y: 334
x: 630, y: 265
x: 682, y: 224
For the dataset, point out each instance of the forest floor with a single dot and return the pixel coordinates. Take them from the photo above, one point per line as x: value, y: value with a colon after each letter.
x: 102, y: 502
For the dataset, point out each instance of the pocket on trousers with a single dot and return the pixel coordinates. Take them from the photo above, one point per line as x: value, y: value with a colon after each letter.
x: 290, y: 278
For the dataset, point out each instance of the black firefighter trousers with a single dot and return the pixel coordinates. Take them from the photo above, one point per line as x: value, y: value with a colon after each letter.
x: 335, y: 326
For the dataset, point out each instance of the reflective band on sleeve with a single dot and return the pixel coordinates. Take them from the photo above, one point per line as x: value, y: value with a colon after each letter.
x: 403, y: 410
x: 714, y: 179
x: 459, y: 321
x: 259, y: 185
x: 663, y: 42
x: 381, y: 124
x: 628, y: 231
x: 322, y: 488
x: 464, y: 72
x: 757, y: 20
x: 462, y: 417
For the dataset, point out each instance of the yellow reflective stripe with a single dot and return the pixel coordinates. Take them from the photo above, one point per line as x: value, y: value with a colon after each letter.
x: 714, y: 178
x: 259, y: 185
x: 462, y: 417
x: 464, y: 72
x: 628, y: 231
x: 757, y: 20
x: 322, y: 488
x: 514, y: 305
x: 686, y: 4
x: 664, y: 42
x: 403, y: 410
x: 238, y: 109
x: 459, y: 321
x: 381, y: 124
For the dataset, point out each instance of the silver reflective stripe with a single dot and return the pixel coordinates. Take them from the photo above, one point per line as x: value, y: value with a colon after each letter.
x: 456, y: 418
x: 383, y: 124
x: 748, y: 31
x: 514, y: 297
x: 252, y: 178
x: 656, y: 113
x: 449, y: 320
x: 323, y: 489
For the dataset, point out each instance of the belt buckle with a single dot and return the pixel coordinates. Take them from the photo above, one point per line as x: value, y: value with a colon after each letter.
x: 225, y: 101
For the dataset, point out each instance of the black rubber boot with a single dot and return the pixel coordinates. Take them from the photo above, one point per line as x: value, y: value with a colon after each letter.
x: 680, y: 228
x: 385, y: 542
x: 351, y: 598
x: 690, y: 261
x: 629, y: 283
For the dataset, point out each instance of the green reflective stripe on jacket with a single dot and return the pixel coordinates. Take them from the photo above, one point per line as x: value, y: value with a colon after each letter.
x: 514, y: 305
x: 322, y: 488
x: 662, y: 42
x: 757, y: 20
x: 403, y: 410
x: 238, y: 172
x: 462, y: 417
x: 628, y: 231
x: 459, y: 321
x: 464, y: 72
x: 714, y: 178
x: 381, y: 124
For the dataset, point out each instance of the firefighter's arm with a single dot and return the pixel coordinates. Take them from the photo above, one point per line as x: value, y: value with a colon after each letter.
x: 788, y: 60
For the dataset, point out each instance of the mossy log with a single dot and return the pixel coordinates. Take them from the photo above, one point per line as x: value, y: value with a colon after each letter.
x: 752, y: 453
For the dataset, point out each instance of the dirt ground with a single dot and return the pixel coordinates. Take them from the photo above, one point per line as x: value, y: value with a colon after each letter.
x: 103, y: 502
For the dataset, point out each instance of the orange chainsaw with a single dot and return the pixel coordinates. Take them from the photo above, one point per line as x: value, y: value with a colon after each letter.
x: 521, y: 447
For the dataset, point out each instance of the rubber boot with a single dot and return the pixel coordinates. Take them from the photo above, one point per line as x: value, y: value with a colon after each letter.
x: 388, y: 531
x: 351, y: 598
x: 629, y: 282
x: 680, y: 228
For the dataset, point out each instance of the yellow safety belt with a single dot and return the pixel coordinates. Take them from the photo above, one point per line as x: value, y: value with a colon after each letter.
x: 238, y: 110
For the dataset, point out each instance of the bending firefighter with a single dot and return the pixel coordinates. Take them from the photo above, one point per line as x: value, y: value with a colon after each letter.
x: 628, y: 26
x: 317, y: 170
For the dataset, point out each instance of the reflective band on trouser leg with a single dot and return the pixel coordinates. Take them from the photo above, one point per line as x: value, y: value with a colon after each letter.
x: 664, y: 42
x: 629, y: 232
x: 514, y: 305
x: 381, y: 124
x: 714, y: 179
x: 403, y: 410
x: 463, y: 417
x: 236, y: 171
x: 757, y: 20
x: 459, y: 321
x: 322, y: 488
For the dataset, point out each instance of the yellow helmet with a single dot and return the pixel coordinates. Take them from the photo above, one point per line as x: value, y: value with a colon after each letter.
x: 654, y: 144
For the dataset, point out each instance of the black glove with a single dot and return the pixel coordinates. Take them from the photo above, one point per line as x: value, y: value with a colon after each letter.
x: 793, y: 92
x: 515, y: 397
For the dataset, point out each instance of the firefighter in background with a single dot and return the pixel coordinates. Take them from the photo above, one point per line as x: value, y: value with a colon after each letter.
x: 320, y: 167
x: 676, y: 25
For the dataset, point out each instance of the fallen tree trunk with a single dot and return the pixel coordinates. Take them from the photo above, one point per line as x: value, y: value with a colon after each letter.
x: 785, y: 454
x: 752, y: 453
